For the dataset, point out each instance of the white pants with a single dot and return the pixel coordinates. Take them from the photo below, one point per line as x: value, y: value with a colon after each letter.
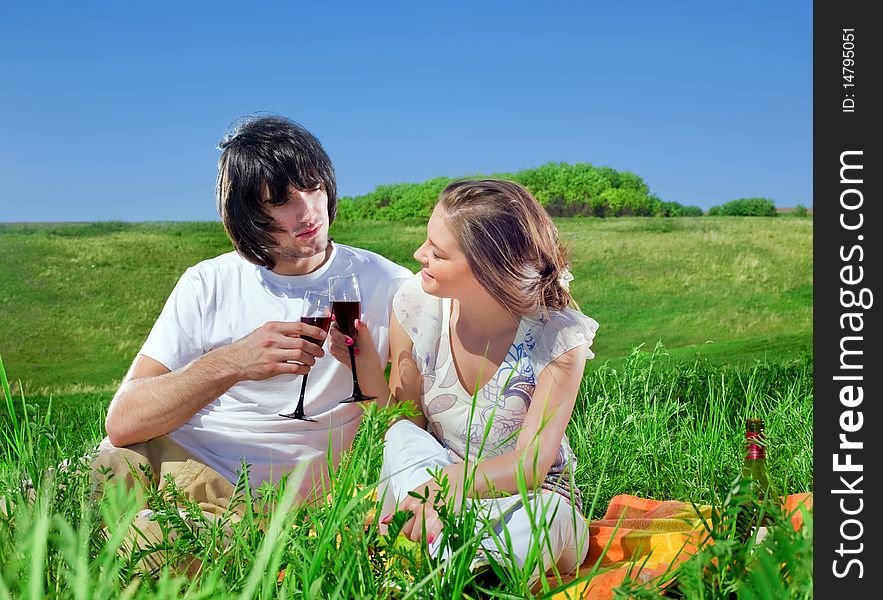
x: 410, y: 454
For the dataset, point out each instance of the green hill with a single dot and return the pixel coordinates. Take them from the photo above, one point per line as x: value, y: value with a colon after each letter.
x: 77, y: 300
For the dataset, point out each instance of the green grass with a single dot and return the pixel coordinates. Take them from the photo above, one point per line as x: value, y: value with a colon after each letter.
x: 735, y: 288
x: 77, y: 300
x: 652, y: 426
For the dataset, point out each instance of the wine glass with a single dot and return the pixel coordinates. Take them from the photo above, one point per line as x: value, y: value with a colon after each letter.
x: 346, y: 304
x: 316, y: 310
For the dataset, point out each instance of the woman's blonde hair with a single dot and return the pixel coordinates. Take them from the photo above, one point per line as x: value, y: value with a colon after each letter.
x: 510, y: 242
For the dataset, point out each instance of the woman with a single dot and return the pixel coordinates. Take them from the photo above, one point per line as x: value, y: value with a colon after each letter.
x: 485, y: 339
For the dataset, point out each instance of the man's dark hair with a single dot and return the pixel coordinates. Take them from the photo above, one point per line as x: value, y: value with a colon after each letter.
x: 273, y: 152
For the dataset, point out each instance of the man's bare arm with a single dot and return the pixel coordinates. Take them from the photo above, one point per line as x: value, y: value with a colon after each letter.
x: 152, y: 401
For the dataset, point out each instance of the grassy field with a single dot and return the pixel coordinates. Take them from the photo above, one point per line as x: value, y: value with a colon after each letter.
x: 77, y: 300
x: 653, y: 426
x: 730, y: 299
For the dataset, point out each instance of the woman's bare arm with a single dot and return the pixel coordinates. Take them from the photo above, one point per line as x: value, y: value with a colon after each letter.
x: 541, y: 434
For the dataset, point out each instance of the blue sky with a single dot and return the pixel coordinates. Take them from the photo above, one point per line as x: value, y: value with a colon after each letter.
x: 112, y: 111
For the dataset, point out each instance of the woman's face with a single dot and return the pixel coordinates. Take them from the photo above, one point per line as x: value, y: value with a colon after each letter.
x: 446, y: 273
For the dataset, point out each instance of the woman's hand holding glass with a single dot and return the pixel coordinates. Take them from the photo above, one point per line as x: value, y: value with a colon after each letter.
x: 362, y: 345
x: 346, y: 305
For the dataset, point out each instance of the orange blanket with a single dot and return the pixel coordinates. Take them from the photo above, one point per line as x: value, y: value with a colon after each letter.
x: 644, y: 538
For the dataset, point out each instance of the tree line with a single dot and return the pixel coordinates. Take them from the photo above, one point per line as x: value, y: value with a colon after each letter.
x: 565, y: 190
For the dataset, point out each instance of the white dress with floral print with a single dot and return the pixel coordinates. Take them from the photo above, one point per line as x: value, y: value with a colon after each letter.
x: 458, y: 418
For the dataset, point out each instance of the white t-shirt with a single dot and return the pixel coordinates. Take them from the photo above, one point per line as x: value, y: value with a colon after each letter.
x: 223, y: 299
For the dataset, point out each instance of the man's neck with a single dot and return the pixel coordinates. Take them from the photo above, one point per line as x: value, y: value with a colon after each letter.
x: 304, y: 266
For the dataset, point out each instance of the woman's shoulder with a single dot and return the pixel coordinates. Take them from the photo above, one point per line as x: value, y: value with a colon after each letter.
x: 571, y: 318
x: 411, y: 296
x: 418, y: 312
x: 563, y: 319
x: 561, y: 330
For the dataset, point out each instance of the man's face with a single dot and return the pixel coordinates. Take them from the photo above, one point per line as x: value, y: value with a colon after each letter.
x: 302, y: 221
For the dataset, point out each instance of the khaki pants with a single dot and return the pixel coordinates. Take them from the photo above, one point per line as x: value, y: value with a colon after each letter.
x: 197, y: 482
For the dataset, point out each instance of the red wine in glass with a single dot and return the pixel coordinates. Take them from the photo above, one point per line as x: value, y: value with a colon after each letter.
x: 316, y: 311
x: 346, y: 304
x: 346, y: 312
x: 323, y: 323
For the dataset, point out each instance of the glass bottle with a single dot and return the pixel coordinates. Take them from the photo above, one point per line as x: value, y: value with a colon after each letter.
x: 765, y: 494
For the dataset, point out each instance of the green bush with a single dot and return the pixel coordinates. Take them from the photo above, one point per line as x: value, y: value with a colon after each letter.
x: 673, y: 209
x: 799, y: 211
x: 749, y: 207
x: 621, y: 202
x: 564, y: 190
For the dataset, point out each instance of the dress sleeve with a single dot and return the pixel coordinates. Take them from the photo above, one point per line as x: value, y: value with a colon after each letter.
x: 421, y: 317
x: 564, y: 331
x: 176, y: 338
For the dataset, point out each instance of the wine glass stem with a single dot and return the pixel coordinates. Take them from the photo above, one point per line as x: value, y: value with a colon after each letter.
x: 299, y: 411
x: 356, y: 391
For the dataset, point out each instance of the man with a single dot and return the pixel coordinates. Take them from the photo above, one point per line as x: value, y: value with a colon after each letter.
x: 226, y: 355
